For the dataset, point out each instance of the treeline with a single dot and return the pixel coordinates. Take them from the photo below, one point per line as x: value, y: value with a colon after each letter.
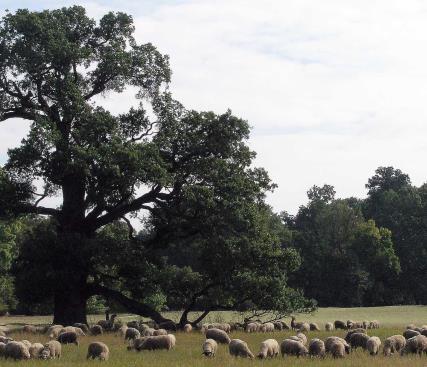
x: 339, y: 252
x: 366, y: 252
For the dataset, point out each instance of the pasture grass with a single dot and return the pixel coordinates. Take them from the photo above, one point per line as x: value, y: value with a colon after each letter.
x: 188, y: 349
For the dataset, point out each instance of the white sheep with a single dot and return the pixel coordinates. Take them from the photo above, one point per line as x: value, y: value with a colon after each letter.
x: 35, y: 350
x: 219, y: 335
x: 16, y: 351
x: 209, y: 347
x: 252, y: 327
x: 269, y: 349
x: 156, y: 342
x: 293, y: 348
x: 239, y: 348
x: 187, y: 328
x: 394, y: 343
x: 160, y: 332
x: 373, y: 345
x: 51, y: 350
x: 132, y: 334
x: 329, y: 326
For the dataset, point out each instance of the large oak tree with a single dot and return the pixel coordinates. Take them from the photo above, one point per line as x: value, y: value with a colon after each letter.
x: 190, y: 172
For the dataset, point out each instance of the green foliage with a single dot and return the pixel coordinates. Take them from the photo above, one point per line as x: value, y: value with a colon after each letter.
x: 346, y: 260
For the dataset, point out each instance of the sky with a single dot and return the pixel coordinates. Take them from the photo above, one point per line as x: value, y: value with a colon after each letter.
x: 332, y: 89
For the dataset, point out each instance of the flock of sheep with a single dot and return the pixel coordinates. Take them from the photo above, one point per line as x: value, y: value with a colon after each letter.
x: 141, y: 336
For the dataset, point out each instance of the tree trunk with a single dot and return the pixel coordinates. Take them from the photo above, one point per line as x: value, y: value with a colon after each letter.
x: 70, y: 305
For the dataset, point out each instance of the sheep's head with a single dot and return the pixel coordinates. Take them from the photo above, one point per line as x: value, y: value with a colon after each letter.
x: 45, y: 353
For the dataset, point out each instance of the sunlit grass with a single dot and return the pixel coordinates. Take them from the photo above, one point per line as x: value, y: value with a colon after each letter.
x: 188, y: 349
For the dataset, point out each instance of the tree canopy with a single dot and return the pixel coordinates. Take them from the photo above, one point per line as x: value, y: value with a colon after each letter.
x: 190, y: 172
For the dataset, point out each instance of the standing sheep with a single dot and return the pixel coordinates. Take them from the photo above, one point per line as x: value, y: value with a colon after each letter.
x: 338, y: 324
x: 293, y: 348
x: 329, y: 341
x: 394, y: 343
x: 329, y: 326
x: 314, y: 326
x: 239, y: 348
x: 337, y: 349
x: 132, y: 334
x: 302, y: 337
x: 30, y: 329
x: 373, y: 345
x: 269, y: 349
x: 278, y: 325
x: 219, y: 335
x: 2, y: 349
x: 304, y: 327
x: 35, y: 350
x: 96, y: 330
x: 16, y: 351
x: 409, y: 333
x: 316, y: 348
x: 98, y: 350
x: 69, y: 337
x: 209, y: 347
x: 51, y: 350
x: 187, y: 328
x: 358, y: 340
x: 160, y: 332
x: 415, y: 345
x: 157, y: 342
x: 122, y: 331
x: 252, y: 327
x: 267, y: 327
x: 82, y: 326
x: 351, y: 332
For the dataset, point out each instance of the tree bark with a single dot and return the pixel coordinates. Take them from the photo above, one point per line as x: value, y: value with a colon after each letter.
x: 130, y: 304
x: 70, y: 305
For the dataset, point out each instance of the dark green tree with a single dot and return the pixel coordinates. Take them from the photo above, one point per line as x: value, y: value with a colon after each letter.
x: 393, y: 202
x: 179, y: 167
x: 346, y: 260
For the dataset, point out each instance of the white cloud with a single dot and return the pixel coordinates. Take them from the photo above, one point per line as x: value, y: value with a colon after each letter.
x: 333, y: 89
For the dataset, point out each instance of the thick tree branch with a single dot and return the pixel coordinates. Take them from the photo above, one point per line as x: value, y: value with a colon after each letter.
x: 130, y: 304
x: 32, y: 209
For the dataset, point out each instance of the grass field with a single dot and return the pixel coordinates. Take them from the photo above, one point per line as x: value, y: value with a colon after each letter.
x: 188, y: 349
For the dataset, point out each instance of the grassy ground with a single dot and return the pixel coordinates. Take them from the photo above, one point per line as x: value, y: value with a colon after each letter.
x: 188, y: 350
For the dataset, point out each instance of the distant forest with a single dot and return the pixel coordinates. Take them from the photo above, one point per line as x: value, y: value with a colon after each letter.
x: 352, y: 252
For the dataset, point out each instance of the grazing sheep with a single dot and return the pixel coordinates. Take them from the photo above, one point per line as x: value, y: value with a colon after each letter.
x: 269, y: 349
x: 302, y: 337
x: 316, y: 348
x: 98, y: 350
x: 5, y: 339
x: 252, y: 327
x: 314, y: 326
x: 53, y: 331
x: 340, y: 325
x: 373, y: 345
x: 358, y: 340
x: 239, y: 348
x: 156, y: 342
x: 331, y: 339
x: 329, y: 326
x: 365, y: 324
x: 209, y: 347
x: 337, y: 349
x: 51, y: 350
x: 187, y: 328
x: 219, y: 335
x: 278, y: 325
x: 107, y: 324
x: 393, y: 344
x: 148, y: 332
x: 410, y: 333
x: 27, y: 343
x: 293, y: 348
x: 267, y: 327
x: 2, y: 349
x: 415, y: 345
x: 16, y: 351
x: 160, y: 332
x: 30, y: 329
x: 305, y: 326
x: 35, y: 350
x: 77, y: 330
x: 132, y: 334
x: 351, y: 332
x: 122, y: 331
x: 374, y: 324
x: 82, y: 326
x: 69, y: 337
x: 96, y: 330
